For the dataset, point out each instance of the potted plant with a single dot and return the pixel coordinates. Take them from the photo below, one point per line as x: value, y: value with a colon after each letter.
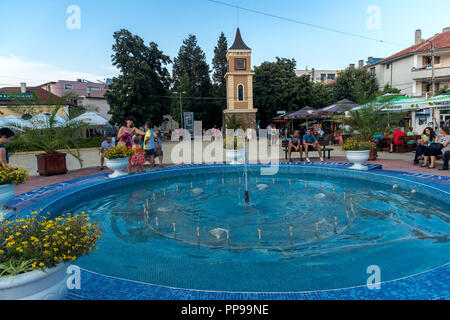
x: 49, y: 133
x: 9, y: 177
x: 234, y: 151
x: 357, y: 152
x: 370, y: 120
x: 117, y: 160
x: 35, y: 252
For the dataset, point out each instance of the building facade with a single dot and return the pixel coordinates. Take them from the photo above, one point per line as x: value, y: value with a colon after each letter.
x: 320, y: 76
x: 239, y: 80
x: 412, y: 70
x: 87, y: 94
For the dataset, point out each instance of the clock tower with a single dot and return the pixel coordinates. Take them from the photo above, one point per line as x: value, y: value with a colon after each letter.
x: 239, y: 80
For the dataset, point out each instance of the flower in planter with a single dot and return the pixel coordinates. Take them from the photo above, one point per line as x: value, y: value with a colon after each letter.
x: 357, y: 145
x: 118, y: 152
x: 236, y: 145
x: 37, y: 242
x: 9, y: 175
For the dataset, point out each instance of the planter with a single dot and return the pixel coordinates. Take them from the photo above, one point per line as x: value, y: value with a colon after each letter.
x: 117, y: 165
x: 235, y: 157
x: 358, y: 158
x: 373, y: 155
x: 51, y: 164
x: 36, y: 285
x: 6, y: 195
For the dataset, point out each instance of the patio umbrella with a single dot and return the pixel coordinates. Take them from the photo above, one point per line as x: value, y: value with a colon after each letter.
x: 42, y: 120
x: 339, y: 107
x: 92, y: 118
x: 16, y: 122
x: 305, y: 113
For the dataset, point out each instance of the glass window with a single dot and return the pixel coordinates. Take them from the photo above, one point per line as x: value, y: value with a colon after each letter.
x: 331, y: 76
x: 240, y: 64
x: 323, y: 77
x: 68, y: 87
x: 240, y: 92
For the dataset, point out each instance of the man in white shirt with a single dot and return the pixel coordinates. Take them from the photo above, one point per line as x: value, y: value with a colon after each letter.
x: 106, y: 145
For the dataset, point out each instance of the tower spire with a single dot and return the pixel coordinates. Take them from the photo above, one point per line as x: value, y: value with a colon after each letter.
x: 239, y: 44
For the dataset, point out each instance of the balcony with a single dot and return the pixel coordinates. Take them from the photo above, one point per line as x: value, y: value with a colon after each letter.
x: 426, y: 73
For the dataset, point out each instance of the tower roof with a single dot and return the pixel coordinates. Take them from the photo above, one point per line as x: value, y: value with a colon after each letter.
x: 239, y: 43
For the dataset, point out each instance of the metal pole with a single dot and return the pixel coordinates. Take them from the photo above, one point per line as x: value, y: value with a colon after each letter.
x: 433, y: 80
x: 181, y: 112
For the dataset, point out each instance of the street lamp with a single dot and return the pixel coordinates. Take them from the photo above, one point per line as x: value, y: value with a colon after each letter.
x: 181, y: 107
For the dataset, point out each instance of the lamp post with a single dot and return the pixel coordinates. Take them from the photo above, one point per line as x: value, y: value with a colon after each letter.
x: 181, y: 107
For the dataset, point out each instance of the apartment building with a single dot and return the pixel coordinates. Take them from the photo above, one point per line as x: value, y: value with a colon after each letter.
x: 88, y: 94
x: 320, y: 76
x: 412, y: 70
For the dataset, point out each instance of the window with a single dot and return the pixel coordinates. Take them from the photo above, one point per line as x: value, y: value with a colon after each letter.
x: 68, y: 87
x: 239, y: 64
x: 388, y: 66
x: 323, y: 77
x: 331, y: 76
x: 372, y: 70
x: 240, y: 92
x: 93, y: 89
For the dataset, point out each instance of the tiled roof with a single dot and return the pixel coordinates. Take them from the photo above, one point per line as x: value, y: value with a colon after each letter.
x: 41, y: 96
x: 440, y: 41
x: 239, y: 43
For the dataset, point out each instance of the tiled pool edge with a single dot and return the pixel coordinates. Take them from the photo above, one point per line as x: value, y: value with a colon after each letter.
x: 431, y: 284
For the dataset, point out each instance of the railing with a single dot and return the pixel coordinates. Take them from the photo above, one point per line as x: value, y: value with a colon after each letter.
x: 426, y: 73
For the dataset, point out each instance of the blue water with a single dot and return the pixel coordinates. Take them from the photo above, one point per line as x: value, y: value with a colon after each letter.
x: 297, y: 233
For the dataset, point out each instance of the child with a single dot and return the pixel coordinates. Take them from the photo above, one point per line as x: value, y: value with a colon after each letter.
x: 6, y: 136
x: 137, y: 159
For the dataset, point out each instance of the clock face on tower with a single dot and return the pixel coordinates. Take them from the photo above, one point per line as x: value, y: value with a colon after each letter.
x: 239, y: 64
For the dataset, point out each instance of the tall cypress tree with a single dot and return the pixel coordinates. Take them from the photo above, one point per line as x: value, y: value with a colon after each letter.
x: 220, y: 69
x: 191, y: 74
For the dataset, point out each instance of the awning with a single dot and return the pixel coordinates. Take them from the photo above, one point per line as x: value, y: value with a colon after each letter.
x: 305, y: 113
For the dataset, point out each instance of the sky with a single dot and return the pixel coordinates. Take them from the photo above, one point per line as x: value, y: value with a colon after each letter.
x: 37, y: 46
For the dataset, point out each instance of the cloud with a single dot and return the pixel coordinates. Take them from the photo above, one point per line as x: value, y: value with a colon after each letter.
x: 14, y: 70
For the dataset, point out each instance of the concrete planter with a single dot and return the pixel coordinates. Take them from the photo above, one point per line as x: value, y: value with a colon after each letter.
x: 36, y: 285
x: 358, y: 158
x: 117, y: 165
x: 235, y: 157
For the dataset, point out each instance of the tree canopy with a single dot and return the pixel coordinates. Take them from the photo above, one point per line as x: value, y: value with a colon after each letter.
x: 142, y: 86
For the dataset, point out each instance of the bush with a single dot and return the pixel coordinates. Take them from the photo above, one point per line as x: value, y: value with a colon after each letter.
x: 10, y: 175
x: 117, y: 152
x: 357, y: 145
x: 19, y: 145
x: 35, y: 242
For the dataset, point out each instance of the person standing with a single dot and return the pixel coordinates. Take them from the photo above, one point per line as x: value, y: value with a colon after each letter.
x: 6, y: 136
x: 158, y: 151
x: 106, y: 145
x: 149, y: 144
x: 269, y: 133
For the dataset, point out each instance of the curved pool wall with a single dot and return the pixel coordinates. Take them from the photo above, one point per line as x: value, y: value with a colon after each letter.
x: 432, y: 284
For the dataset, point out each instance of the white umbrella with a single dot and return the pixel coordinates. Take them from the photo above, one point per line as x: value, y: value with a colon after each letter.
x: 91, y: 118
x: 17, y: 122
x: 42, y: 120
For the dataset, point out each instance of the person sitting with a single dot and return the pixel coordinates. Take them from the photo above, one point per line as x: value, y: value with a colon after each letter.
x: 338, y: 138
x: 436, y: 148
x: 310, y: 143
x: 6, y: 136
x: 295, y: 145
x: 395, y: 139
x: 427, y: 136
x: 106, y: 145
x: 446, y: 149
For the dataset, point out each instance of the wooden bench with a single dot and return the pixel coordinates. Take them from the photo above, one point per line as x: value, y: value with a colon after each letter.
x: 405, y: 147
x: 324, y: 148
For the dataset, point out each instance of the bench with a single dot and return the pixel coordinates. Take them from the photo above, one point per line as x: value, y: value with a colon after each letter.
x: 405, y: 147
x: 323, y: 147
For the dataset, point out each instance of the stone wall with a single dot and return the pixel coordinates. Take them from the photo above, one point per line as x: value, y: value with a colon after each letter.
x: 248, y: 118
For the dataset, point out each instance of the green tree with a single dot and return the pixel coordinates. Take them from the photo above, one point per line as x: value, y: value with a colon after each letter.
x: 191, y: 75
x: 445, y: 89
x: 356, y: 84
x: 142, y: 86
x: 220, y: 69
x: 276, y: 87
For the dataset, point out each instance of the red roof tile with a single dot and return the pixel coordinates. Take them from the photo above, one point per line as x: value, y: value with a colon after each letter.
x: 440, y: 41
x: 41, y: 96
